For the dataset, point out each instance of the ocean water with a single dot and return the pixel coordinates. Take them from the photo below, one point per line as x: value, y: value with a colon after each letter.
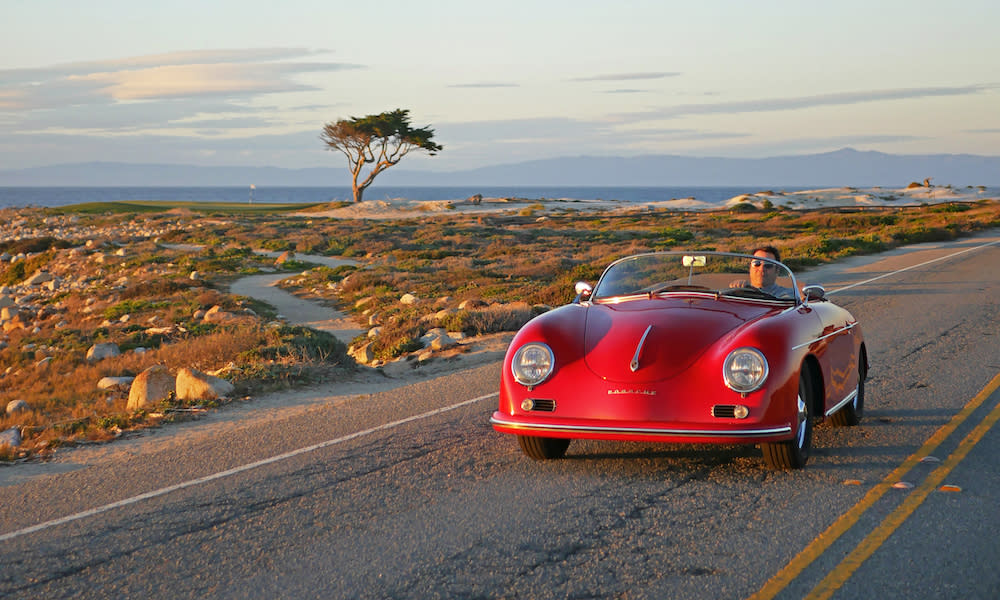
x: 63, y: 196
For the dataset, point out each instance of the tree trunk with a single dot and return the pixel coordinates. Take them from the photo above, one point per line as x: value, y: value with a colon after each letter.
x: 358, y: 193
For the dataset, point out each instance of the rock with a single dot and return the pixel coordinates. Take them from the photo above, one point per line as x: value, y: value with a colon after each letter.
x: 437, y: 339
x: 442, y: 341
x: 150, y: 387
x: 116, y: 384
x: 474, y: 199
x: 38, y: 278
x: 284, y: 257
x: 11, y: 437
x: 444, y: 312
x: 408, y: 299
x: 6, y: 301
x: 192, y: 384
x: 16, y: 406
x: 8, y: 312
x: 374, y: 332
x: 13, y: 324
x: 217, y: 315
x: 103, y: 350
x: 364, y: 354
x: 194, y: 276
x: 469, y: 304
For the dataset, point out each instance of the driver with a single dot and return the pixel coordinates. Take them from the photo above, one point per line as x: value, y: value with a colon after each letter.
x: 764, y: 274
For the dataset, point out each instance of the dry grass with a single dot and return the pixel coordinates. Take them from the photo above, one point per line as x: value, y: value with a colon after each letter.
x: 144, y: 298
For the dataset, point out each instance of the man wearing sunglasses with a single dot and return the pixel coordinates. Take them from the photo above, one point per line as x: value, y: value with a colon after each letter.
x: 763, y: 275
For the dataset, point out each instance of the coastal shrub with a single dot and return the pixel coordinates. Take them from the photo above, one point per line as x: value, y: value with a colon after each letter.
x: 492, y: 319
x: 397, y: 338
x: 22, y: 269
x: 951, y: 207
x: 126, y: 307
x: 33, y: 245
x: 921, y: 234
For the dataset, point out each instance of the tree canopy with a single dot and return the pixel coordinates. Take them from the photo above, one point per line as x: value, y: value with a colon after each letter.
x: 378, y: 141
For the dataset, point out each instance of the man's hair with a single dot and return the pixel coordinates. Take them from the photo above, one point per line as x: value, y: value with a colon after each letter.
x: 770, y: 250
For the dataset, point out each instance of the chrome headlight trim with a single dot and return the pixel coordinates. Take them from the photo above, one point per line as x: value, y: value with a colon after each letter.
x: 745, y: 370
x: 532, y: 364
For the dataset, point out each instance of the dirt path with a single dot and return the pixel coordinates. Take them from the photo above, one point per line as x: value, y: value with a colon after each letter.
x: 295, y: 310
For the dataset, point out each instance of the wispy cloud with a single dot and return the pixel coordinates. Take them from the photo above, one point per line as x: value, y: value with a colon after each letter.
x: 484, y: 85
x: 626, y: 76
x: 238, y: 74
x: 803, y: 102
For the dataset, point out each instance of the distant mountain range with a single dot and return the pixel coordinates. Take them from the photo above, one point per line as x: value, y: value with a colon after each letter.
x: 846, y: 167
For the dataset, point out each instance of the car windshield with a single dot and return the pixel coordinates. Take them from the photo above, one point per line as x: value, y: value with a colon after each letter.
x: 718, y: 273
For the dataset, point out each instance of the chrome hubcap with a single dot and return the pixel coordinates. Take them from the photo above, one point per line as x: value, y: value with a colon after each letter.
x: 803, y: 416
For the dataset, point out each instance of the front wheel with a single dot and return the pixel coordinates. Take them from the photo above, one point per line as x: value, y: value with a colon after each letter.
x: 540, y: 448
x: 793, y: 453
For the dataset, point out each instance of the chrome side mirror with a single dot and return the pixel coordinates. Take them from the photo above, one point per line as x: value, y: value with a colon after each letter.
x: 814, y: 293
x: 583, y: 290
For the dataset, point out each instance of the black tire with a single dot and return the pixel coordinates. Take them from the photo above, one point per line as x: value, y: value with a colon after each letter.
x: 853, y: 411
x: 541, y: 448
x: 793, y: 453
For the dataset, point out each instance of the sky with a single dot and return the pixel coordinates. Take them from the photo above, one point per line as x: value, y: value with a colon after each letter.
x: 252, y: 82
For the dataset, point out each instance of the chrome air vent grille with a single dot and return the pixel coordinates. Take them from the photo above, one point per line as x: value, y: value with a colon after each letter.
x: 724, y: 411
x: 543, y: 405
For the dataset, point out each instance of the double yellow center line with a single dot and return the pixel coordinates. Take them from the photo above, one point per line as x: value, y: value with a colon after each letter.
x: 843, y: 571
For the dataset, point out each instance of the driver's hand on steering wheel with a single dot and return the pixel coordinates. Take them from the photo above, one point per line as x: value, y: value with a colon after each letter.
x: 738, y: 283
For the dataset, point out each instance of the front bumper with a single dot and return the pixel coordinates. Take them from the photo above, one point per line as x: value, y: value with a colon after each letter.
x: 517, y: 425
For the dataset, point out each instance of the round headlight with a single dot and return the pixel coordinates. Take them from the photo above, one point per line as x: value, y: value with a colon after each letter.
x: 532, y: 363
x: 745, y: 370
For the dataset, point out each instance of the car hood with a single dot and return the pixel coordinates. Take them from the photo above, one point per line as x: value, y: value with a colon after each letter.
x: 669, y: 335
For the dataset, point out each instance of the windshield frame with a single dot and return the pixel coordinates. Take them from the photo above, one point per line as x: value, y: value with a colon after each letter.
x: 680, y: 256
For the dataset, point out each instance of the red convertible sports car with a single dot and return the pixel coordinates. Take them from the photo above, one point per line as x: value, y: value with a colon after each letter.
x: 679, y: 347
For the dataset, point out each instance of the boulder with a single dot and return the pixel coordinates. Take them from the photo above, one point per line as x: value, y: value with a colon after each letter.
x: 117, y: 384
x: 16, y: 406
x: 217, y: 315
x: 442, y: 341
x: 408, y: 299
x: 152, y: 386
x: 192, y: 384
x: 470, y: 304
x: 13, y: 324
x: 103, y: 350
x: 6, y: 301
x: 10, y: 437
x: 38, y: 278
x: 364, y: 354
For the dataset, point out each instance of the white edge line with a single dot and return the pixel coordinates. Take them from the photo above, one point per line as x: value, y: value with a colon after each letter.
x: 926, y: 262
x: 247, y: 467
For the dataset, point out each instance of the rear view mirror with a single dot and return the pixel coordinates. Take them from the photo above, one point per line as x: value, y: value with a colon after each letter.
x: 693, y: 261
x: 583, y: 290
x: 814, y: 293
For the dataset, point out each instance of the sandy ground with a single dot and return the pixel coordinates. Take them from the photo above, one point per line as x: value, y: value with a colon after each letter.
x: 805, y: 199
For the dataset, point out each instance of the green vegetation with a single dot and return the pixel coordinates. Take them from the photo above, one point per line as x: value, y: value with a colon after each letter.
x: 519, y: 264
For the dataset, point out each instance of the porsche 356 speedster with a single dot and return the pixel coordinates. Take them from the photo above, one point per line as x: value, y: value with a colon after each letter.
x: 679, y: 347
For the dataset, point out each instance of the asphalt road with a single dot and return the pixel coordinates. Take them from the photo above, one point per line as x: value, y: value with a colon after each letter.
x: 408, y: 493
